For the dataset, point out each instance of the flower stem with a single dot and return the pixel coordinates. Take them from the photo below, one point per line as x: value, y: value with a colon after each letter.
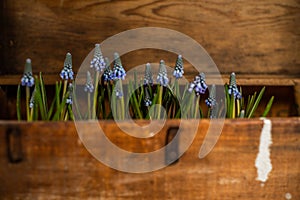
x: 27, y: 103
x: 64, y: 89
x: 63, y: 98
x: 89, y: 105
x: 76, y: 103
x: 66, y: 116
x: 187, y: 105
x: 238, y: 106
x: 160, y: 93
x: 122, y: 102
x: 95, y: 95
x: 197, y: 106
x: 31, y: 113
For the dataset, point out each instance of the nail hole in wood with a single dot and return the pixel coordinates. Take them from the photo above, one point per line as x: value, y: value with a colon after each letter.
x: 172, y: 150
x: 14, y: 145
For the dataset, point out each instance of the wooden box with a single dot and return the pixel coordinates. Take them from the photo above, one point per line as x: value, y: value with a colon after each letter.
x: 259, y: 41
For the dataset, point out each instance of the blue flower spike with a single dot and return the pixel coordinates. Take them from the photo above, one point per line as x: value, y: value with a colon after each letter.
x: 69, y: 99
x: 162, y: 77
x: 232, y: 88
x: 27, y: 78
x: 67, y: 72
x: 108, y: 73
x: 89, y: 84
x: 211, y: 100
x: 148, y: 77
x: 178, y: 70
x: 118, y: 70
x: 98, y: 63
x: 147, y: 100
x: 198, y: 85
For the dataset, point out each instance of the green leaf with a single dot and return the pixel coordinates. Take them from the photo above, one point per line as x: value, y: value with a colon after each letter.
x: 250, y: 103
x: 43, y: 93
x: 268, y: 107
x: 38, y: 99
x: 187, y: 110
x: 228, y: 101
x: 185, y: 90
x: 141, y: 96
x: 101, y: 103
x: 135, y: 102
x: 113, y: 104
x: 51, y: 109
x: 75, y: 101
x: 135, y: 79
x: 57, y: 114
x: 232, y: 107
x: 71, y: 115
x: 257, y: 102
x: 57, y: 93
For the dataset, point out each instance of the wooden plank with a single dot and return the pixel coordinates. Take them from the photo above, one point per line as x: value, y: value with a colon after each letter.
x: 297, y: 94
x: 242, y: 36
x: 56, y: 165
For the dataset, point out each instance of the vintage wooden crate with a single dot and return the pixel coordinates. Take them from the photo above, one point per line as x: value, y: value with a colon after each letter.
x: 259, y: 41
x: 55, y: 165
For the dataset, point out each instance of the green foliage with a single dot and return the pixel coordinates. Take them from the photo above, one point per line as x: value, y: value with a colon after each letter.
x: 109, y: 101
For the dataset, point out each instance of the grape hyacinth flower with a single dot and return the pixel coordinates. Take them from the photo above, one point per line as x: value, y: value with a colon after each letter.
x: 118, y: 70
x: 67, y: 72
x: 198, y: 85
x: 69, y: 99
x: 232, y: 88
x: 211, y: 100
x: 148, y: 78
x: 147, y: 100
x: 98, y: 62
x: 162, y: 77
x: 178, y: 71
x: 108, y: 73
x: 89, y: 84
x: 27, y: 79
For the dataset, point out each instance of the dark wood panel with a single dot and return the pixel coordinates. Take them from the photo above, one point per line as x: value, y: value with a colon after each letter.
x: 256, y: 37
x: 57, y: 166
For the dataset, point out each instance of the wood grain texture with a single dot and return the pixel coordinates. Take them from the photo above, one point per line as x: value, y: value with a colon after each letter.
x: 57, y: 166
x: 248, y: 37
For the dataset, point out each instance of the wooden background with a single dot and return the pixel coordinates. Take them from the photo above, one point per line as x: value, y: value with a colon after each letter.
x: 248, y: 37
x: 56, y: 165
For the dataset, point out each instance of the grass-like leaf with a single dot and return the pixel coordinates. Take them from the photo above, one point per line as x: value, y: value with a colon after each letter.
x: 43, y: 92
x: 58, y: 112
x: 232, y: 107
x: 75, y: 102
x: 254, y: 107
x: 39, y: 99
x: 251, y: 100
x: 268, y: 107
